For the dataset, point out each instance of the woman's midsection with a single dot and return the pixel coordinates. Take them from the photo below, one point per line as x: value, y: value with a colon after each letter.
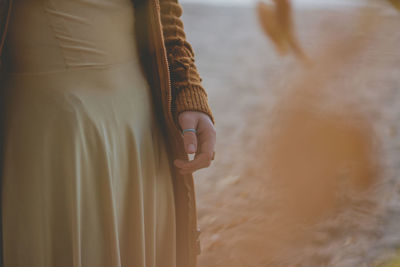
x: 56, y: 35
x: 119, y: 92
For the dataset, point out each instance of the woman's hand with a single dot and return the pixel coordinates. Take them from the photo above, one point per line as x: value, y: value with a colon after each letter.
x: 202, y: 143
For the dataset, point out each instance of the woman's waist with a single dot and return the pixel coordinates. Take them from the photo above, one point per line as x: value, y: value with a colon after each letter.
x: 96, y: 77
x: 47, y: 59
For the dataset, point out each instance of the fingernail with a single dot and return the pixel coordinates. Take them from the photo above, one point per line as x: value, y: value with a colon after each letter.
x: 191, y: 148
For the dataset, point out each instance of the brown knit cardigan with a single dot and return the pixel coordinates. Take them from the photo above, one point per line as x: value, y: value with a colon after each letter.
x: 168, y: 64
x: 187, y: 90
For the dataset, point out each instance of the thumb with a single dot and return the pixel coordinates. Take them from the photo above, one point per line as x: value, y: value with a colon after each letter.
x: 189, y: 137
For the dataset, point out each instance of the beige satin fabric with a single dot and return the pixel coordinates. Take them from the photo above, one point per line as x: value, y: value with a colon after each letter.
x: 86, y: 181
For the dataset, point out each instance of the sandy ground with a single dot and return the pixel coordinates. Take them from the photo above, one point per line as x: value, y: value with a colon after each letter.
x: 307, y: 163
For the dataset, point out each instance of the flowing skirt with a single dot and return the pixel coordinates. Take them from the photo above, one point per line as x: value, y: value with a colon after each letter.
x: 86, y: 179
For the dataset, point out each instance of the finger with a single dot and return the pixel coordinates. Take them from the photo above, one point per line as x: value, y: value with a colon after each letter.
x: 185, y: 167
x: 201, y: 161
x: 180, y: 163
x: 190, y: 142
x: 189, y: 138
x: 208, y: 147
x: 207, y: 140
x: 189, y: 165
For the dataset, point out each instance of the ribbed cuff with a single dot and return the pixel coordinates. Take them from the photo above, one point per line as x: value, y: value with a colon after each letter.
x: 192, y: 98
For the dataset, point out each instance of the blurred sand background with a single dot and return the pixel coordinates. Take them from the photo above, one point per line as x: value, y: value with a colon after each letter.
x: 307, y: 164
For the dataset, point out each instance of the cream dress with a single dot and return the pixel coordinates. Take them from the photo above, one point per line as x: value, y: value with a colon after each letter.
x: 86, y: 179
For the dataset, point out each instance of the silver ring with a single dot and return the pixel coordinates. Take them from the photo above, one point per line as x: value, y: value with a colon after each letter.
x: 189, y: 130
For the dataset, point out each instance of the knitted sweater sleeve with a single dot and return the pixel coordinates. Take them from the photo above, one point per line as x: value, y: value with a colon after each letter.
x: 188, y: 93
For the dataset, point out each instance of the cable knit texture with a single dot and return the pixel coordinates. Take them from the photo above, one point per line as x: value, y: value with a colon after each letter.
x: 188, y: 93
